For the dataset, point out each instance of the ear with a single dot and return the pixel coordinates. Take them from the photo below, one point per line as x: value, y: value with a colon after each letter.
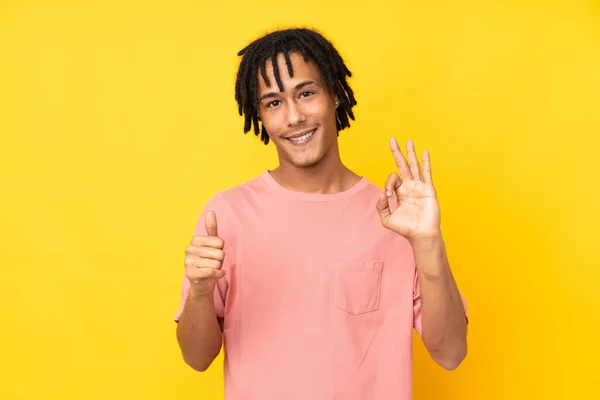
x: 336, y: 100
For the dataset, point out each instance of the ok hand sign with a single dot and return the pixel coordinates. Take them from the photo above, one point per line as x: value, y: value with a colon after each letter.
x: 418, y: 212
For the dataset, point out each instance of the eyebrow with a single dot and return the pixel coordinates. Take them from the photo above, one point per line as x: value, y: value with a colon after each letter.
x: 298, y: 86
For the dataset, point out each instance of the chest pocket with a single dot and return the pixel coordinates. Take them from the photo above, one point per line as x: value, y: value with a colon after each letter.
x: 357, y: 286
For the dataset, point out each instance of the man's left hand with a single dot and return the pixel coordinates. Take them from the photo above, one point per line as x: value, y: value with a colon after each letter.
x: 418, y: 213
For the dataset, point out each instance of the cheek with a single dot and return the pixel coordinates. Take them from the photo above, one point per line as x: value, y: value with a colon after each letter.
x: 322, y: 111
x: 271, y: 123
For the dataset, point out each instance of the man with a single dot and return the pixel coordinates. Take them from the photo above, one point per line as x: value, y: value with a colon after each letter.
x: 313, y: 276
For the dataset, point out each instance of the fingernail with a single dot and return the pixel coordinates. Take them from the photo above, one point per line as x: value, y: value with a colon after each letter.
x: 389, y: 194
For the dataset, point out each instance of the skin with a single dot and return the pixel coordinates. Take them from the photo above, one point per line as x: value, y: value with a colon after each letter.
x: 417, y: 218
x: 306, y: 104
x: 198, y: 331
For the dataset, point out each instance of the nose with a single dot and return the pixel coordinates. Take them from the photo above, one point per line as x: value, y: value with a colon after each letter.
x: 295, y: 113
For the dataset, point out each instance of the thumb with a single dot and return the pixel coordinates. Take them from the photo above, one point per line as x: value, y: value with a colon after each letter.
x: 383, y: 208
x: 211, y: 224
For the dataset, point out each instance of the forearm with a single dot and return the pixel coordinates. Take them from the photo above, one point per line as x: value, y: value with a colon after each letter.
x: 442, y: 311
x: 198, y: 332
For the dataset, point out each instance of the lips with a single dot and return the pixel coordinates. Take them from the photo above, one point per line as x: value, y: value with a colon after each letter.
x: 300, y: 134
x: 302, y: 139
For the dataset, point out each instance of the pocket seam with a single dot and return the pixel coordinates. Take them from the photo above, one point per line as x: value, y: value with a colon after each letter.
x: 374, y: 267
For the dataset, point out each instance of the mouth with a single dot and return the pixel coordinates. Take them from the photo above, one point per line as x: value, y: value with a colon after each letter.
x: 303, y: 138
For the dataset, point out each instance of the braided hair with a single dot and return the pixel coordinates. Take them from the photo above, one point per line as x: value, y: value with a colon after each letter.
x: 311, y: 45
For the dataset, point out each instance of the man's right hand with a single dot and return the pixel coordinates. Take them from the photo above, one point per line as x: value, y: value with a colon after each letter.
x: 204, y: 259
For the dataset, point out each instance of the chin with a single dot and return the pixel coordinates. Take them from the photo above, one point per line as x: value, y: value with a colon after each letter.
x: 309, y: 157
x: 307, y: 163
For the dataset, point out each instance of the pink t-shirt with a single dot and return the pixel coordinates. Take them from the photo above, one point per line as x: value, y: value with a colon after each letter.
x: 319, y: 301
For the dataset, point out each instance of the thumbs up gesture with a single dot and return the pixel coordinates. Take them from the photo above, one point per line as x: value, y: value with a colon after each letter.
x: 204, y: 259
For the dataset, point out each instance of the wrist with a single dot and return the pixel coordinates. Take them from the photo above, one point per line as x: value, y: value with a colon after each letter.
x: 427, y: 243
x: 430, y: 257
x: 200, y: 297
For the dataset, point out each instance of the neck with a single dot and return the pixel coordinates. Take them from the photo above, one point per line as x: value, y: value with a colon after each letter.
x: 329, y: 176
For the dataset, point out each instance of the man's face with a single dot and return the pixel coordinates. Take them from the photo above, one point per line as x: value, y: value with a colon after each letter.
x: 301, y: 120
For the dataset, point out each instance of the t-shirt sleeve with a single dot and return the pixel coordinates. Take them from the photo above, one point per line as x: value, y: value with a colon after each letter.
x: 217, y: 205
x: 417, y: 322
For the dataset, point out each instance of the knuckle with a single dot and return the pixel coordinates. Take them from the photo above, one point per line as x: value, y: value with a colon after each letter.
x: 218, y: 255
x: 207, y: 252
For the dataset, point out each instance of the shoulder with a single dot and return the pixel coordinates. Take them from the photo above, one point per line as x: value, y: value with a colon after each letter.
x: 370, y: 192
x: 238, y: 192
x: 229, y: 205
x: 371, y: 189
x: 233, y: 200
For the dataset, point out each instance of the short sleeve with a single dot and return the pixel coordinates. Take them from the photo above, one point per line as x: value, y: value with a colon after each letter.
x: 217, y: 205
x: 417, y: 323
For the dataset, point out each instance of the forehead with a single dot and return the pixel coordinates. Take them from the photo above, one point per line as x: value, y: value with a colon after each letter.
x: 302, y: 70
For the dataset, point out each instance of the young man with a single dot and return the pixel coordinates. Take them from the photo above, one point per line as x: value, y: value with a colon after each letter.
x: 313, y: 276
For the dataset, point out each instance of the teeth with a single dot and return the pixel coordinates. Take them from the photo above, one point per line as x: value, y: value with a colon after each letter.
x: 303, y: 137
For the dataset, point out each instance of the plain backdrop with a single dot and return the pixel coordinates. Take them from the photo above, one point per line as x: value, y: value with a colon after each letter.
x: 118, y: 122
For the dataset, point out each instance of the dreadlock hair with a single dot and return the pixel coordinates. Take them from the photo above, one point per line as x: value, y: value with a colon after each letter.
x: 311, y: 45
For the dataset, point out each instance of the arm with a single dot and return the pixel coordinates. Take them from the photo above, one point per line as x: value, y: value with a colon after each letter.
x: 198, y: 332
x: 417, y: 218
x: 444, y: 325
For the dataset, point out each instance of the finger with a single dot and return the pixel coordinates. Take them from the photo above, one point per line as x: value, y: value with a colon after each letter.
x: 208, y: 241
x: 211, y: 224
x: 427, y: 168
x: 400, y: 160
x: 206, y: 252
x: 205, y: 273
x: 195, y: 262
x: 383, y: 208
x: 413, y: 162
x: 392, y: 184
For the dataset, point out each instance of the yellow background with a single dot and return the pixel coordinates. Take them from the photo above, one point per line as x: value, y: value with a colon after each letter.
x: 118, y: 122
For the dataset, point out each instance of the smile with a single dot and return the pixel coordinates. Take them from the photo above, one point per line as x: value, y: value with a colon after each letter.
x: 302, y: 139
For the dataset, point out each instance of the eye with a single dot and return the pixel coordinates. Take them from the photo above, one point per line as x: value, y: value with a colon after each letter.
x: 273, y: 103
x: 306, y: 94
